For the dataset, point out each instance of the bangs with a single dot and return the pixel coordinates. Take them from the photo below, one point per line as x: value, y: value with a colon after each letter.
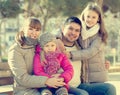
x: 35, y: 24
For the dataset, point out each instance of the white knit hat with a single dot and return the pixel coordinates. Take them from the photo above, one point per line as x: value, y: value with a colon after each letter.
x: 45, y: 38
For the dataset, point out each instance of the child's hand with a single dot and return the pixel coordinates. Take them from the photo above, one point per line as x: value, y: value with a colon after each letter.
x: 56, y: 75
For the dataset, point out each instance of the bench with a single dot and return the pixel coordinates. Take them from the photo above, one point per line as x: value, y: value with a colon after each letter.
x: 6, y: 89
x: 6, y: 79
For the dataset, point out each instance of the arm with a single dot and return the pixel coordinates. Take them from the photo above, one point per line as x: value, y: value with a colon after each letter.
x: 68, y: 69
x: 21, y: 72
x: 96, y: 46
x: 60, y: 45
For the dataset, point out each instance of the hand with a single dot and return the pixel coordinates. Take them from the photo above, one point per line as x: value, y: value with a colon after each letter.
x: 107, y: 64
x: 56, y: 75
x: 60, y: 45
x: 55, y: 82
x: 68, y: 54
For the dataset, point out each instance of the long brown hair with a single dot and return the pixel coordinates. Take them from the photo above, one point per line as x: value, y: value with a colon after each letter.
x: 31, y: 22
x: 95, y: 7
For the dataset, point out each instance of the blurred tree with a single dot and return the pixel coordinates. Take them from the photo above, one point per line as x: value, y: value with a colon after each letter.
x: 46, y: 9
x: 113, y: 35
x: 114, y: 6
x: 73, y: 8
x: 100, y: 2
x: 8, y: 9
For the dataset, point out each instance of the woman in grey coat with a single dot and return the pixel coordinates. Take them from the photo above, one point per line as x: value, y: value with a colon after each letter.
x: 20, y: 60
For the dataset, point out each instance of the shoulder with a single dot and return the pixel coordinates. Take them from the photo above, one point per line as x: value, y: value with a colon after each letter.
x: 15, y: 49
x: 15, y: 46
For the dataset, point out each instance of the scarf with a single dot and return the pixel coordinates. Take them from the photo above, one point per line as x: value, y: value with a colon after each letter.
x: 86, y: 33
x: 52, y: 64
x: 30, y: 41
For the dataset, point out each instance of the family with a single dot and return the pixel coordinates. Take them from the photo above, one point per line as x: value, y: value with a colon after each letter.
x: 69, y: 62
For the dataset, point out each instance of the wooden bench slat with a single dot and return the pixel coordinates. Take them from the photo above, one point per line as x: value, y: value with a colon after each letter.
x: 6, y: 88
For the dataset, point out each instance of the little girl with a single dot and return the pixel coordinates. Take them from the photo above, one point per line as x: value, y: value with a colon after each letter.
x: 48, y: 60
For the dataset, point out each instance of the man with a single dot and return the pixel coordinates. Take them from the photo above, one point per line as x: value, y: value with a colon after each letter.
x: 70, y: 32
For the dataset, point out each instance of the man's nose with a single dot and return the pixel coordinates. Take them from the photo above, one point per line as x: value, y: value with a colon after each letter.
x: 74, y: 32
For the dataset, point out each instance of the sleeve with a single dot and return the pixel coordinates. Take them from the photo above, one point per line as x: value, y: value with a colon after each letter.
x: 20, y: 72
x: 37, y: 67
x: 60, y: 45
x: 96, y: 46
x: 68, y: 69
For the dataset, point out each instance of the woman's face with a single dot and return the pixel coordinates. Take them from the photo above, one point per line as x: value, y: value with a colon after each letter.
x: 91, y: 18
x: 32, y: 32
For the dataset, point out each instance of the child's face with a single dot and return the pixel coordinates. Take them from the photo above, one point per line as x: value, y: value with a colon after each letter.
x: 50, y: 47
x: 91, y: 18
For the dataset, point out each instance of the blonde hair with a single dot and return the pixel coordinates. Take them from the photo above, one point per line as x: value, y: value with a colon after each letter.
x: 95, y: 7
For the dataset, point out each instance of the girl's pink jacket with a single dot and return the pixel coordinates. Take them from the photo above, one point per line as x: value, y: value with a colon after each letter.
x: 65, y: 64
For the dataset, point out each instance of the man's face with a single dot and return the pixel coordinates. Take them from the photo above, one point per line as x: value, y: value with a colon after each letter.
x: 71, y: 32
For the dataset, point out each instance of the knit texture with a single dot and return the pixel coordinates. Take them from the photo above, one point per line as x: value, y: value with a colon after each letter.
x: 86, y: 33
x: 52, y: 64
x: 45, y: 38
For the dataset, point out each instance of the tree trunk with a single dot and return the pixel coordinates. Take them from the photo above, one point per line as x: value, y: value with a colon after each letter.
x: 0, y: 42
x: 44, y: 23
x: 99, y: 2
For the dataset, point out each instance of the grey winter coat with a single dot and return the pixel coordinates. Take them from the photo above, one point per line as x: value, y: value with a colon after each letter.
x: 93, y: 59
x: 20, y: 60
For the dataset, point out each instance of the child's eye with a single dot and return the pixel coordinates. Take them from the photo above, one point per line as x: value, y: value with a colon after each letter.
x: 46, y: 45
x: 53, y: 45
x: 94, y: 17
x: 88, y: 16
